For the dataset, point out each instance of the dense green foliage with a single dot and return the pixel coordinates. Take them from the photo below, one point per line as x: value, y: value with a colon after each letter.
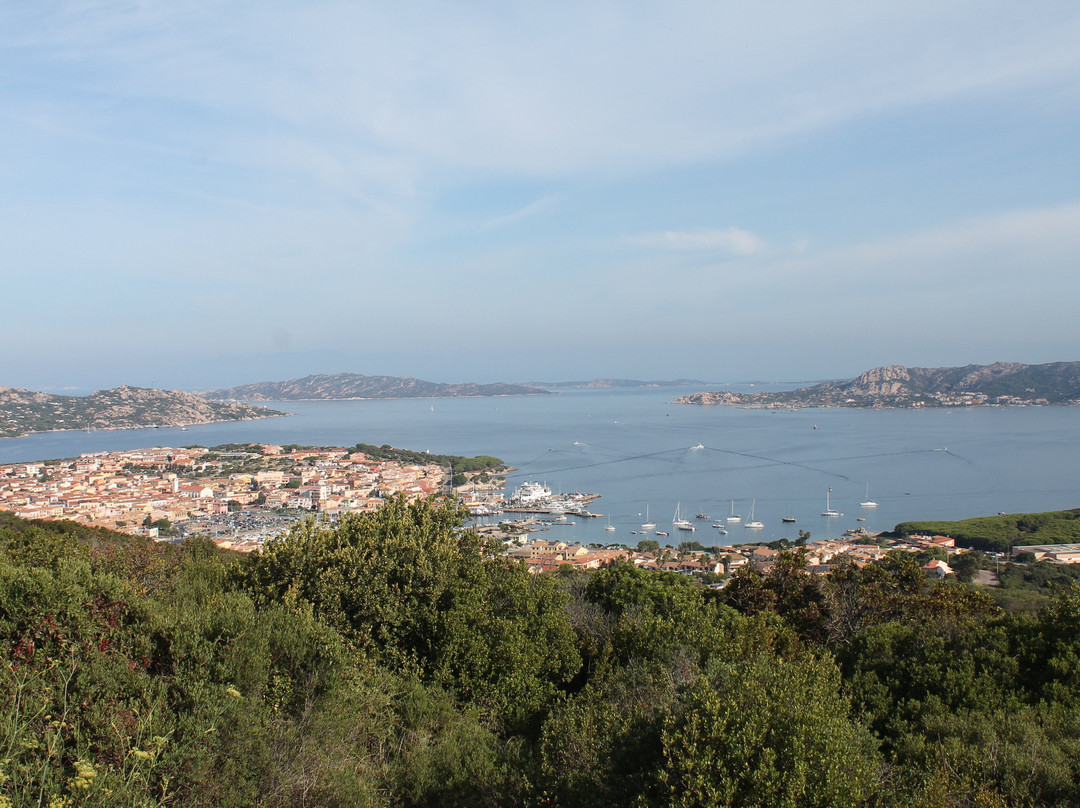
x: 408, y: 456
x: 999, y: 533
x: 395, y: 659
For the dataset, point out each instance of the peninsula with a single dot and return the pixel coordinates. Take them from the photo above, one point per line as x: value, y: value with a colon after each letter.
x: 999, y: 384
x: 346, y: 386
x: 26, y: 411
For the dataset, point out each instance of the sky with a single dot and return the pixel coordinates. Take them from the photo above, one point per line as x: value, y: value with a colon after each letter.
x: 201, y: 194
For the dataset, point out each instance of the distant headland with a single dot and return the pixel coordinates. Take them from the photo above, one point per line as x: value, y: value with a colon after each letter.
x: 26, y: 411
x: 999, y: 384
x: 347, y: 386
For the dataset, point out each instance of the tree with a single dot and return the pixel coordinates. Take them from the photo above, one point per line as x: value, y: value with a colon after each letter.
x: 966, y: 564
x: 766, y: 725
x: 411, y: 588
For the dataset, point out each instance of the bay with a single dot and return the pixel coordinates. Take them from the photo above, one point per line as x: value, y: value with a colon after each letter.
x: 637, y: 449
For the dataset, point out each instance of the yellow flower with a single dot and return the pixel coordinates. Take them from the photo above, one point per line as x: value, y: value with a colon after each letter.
x: 84, y: 774
x: 232, y: 691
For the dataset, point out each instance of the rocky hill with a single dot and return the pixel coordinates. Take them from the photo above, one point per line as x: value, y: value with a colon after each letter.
x: 25, y: 411
x: 1000, y: 384
x: 355, y: 385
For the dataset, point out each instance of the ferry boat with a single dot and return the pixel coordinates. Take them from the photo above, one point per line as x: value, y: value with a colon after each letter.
x: 530, y: 493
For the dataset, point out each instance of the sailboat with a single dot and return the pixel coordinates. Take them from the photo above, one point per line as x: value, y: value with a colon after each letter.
x: 828, y: 507
x: 679, y: 522
x: 868, y: 503
x: 609, y: 526
x: 733, y: 517
x: 648, y: 525
x: 752, y: 523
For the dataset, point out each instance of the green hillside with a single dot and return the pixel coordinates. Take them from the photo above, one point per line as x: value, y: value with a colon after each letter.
x: 999, y: 533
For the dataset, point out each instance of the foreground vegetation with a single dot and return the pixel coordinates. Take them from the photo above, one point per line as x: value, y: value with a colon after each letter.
x: 394, y: 660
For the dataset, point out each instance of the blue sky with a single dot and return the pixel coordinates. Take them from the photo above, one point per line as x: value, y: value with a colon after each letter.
x: 200, y: 194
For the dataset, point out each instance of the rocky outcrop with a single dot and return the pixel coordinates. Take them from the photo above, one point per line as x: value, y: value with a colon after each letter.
x: 721, y: 398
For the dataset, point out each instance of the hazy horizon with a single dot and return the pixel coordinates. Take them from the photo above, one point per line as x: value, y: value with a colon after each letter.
x: 215, y: 194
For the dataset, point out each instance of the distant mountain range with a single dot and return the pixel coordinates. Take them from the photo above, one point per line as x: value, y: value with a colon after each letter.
x: 25, y: 411
x: 1000, y: 384
x: 343, y: 386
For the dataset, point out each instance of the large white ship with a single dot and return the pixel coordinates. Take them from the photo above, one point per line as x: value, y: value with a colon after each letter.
x: 531, y: 493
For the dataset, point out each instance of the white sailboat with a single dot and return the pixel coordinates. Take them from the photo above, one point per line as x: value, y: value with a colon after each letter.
x: 648, y: 525
x: 752, y: 523
x: 868, y: 503
x: 679, y: 522
x: 828, y: 507
x: 609, y: 526
x: 733, y: 518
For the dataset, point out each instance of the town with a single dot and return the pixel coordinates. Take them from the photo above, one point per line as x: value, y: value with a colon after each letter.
x: 243, y: 496
x: 240, y: 497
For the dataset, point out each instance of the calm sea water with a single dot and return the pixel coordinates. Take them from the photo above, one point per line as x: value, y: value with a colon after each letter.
x: 638, y: 450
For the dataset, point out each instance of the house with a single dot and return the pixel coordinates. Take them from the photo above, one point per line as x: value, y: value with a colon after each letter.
x: 735, y: 561
x: 937, y: 569
x: 196, y: 491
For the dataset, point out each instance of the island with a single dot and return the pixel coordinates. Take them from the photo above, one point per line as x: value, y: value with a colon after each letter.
x: 350, y: 386
x: 893, y: 386
x: 26, y: 411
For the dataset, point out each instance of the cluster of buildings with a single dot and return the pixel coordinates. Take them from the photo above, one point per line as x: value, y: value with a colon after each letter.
x: 967, y: 399
x: 201, y: 490
x: 543, y: 555
x: 1059, y: 553
x: 131, y: 490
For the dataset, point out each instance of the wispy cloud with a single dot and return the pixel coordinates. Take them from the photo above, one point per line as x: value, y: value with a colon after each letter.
x: 537, y: 207
x: 731, y: 240
x: 597, y: 87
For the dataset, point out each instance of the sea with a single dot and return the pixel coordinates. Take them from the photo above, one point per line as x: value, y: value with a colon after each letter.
x: 644, y: 454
